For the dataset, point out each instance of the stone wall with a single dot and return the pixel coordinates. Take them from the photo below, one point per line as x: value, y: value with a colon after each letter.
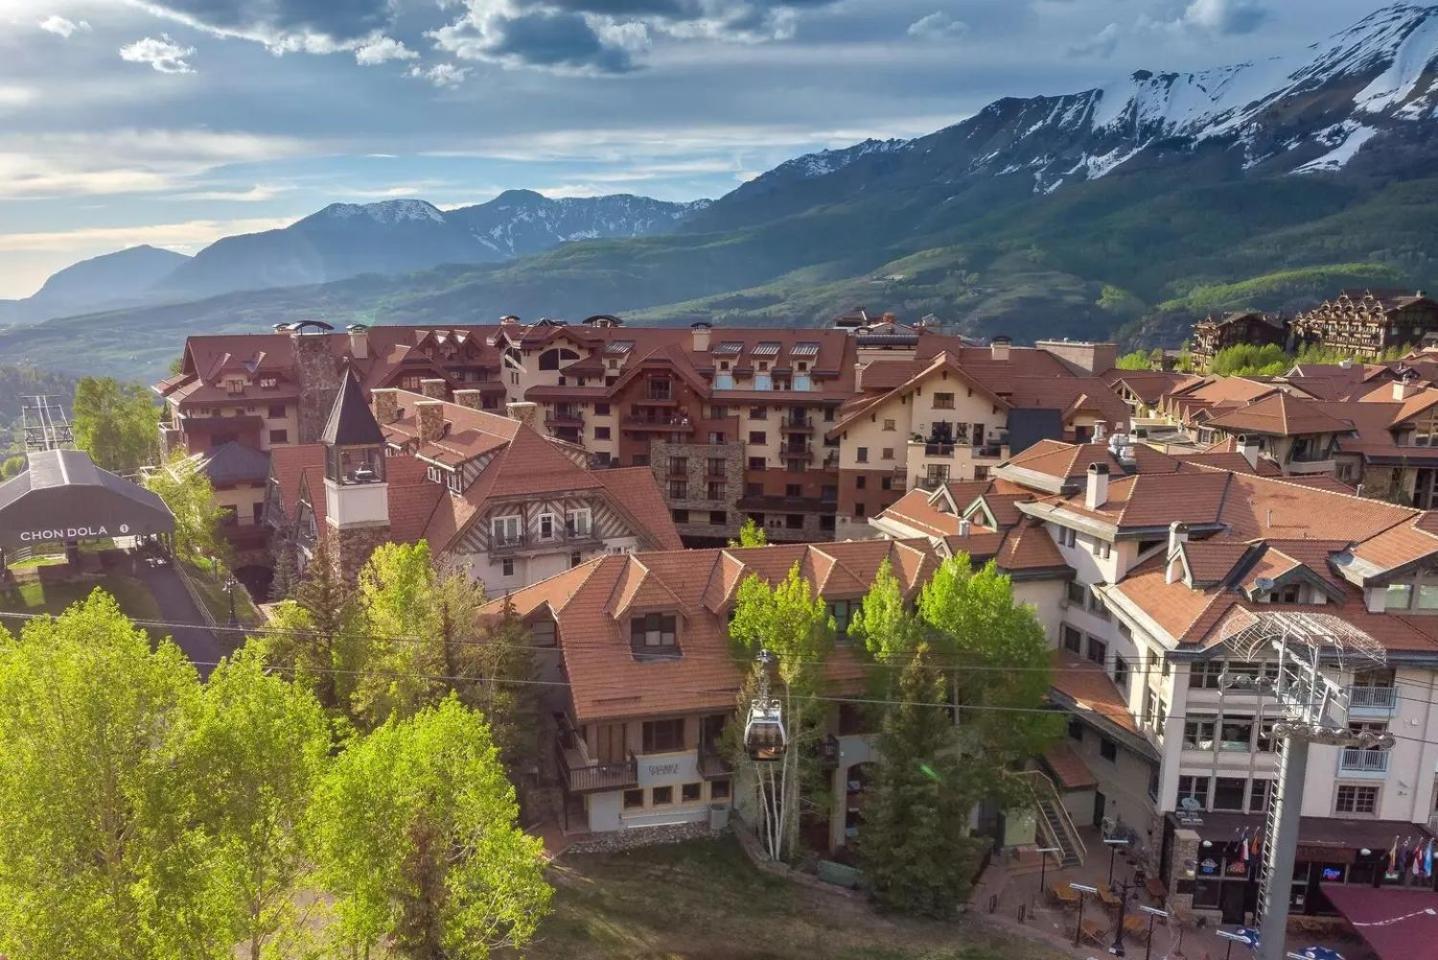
x: 642, y: 837
x: 696, y: 475
x: 351, y: 547
x: 319, y: 380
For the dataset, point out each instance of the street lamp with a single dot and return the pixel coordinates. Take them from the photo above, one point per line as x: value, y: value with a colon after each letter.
x: 1153, y: 914
x: 1233, y: 938
x: 230, y: 589
x: 1114, y: 843
x: 1081, y: 889
x: 1043, y: 853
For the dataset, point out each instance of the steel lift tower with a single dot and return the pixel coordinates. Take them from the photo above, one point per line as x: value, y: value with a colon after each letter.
x: 1314, y: 651
x: 45, y: 424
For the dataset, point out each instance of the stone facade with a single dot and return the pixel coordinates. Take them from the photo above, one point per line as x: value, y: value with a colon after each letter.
x: 351, y: 547
x: 642, y: 837
x: 319, y: 382
x: 1182, y: 869
x: 696, y: 477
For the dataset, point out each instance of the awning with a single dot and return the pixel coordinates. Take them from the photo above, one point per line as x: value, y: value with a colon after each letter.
x: 1398, y: 924
x: 1068, y: 768
x: 62, y: 495
x: 1325, y: 839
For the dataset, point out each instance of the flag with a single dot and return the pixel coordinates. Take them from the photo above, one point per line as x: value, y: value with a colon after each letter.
x: 1390, y: 868
x: 1243, y: 846
x: 1428, y: 860
x: 1254, y: 851
x: 1417, y: 862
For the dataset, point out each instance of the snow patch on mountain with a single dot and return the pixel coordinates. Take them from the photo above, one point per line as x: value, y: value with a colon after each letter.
x: 386, y: 211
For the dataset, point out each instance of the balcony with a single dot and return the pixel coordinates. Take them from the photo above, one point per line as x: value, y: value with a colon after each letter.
x: 798, y: 424
x: 508, y: 545
x: 802, y: 450
x: 1372, y: 699
x: 665, y: 424
x: 584, y: 776
x: 934, y: 448
x: 564, y: 418
x: 1356, y: 760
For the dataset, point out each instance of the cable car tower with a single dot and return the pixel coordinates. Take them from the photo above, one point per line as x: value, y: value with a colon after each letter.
x: 1314, y: 708
x: 45, y: 424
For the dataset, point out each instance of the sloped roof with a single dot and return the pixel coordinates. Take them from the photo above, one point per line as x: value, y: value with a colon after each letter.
x: 350, y: 422
x: 1279, y: 415
x: 234, y: 462
x: 60, y: 491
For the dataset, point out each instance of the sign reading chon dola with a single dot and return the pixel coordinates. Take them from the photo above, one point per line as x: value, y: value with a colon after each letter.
x: 71, y: 533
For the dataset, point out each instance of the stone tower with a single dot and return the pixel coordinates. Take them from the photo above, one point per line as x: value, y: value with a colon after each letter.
x: 319, y: 380
x: 356, y: 492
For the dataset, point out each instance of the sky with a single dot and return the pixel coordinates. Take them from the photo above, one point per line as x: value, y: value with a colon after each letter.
x: 176, y: 122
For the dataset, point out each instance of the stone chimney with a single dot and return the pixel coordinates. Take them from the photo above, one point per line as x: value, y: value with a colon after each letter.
x: 469, y: 398
x: 999, y: 346
x: 385, y: 402
x: 430, y: 414
x: 1248, y: 446
x: 318, y: 374
x: 359, y: 341
x: 1096, y: 494
x: 434, y: 388
x: 700, y: 333
x: 523, y: 411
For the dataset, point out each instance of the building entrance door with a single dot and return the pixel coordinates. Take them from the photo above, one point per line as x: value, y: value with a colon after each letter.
x: 1230, y: 900
x: 611, y: 743
x: 1100, y: 804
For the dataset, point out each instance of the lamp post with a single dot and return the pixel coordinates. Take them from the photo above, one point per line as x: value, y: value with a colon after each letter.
x: 1233, y: 938
x: 1114, y: 843
x: 1081, y: 889
x: 1043, y: 853
x: 1153, y: 914
x: 230, y: 589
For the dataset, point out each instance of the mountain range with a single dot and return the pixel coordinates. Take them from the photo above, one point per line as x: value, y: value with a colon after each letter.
x: 1126, y: 209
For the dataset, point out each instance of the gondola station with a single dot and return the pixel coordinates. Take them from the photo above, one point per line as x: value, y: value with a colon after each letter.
x: 62, y: 497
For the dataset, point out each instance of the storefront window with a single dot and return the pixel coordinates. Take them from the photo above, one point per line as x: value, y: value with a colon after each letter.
x: 1205, y: 894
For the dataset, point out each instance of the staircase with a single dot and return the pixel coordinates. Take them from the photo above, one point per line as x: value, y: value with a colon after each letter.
x: 1055, y: 825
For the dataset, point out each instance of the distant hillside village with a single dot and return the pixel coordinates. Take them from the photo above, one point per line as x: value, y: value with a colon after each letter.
x: 596, y: 475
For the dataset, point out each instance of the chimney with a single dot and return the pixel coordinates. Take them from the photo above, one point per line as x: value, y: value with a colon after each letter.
x: 434, y: 388
x: 523, y: 411
x: 469, y: 398
x: 999, y: 345
x: 1248, y: 446
x: 1403, y: 388
x: 700, y: 333
x: 431, y: 420
x: 1346, y: 363
x: 859, y: 376
x: 965, y: 527
x: 1097, y: 493
x: 1100, y: 430
x: 386, y: 405
x: 1177, y: 537
x: 359, y: 341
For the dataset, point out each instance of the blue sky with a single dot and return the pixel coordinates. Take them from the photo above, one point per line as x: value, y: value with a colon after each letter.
x: 175, y: 122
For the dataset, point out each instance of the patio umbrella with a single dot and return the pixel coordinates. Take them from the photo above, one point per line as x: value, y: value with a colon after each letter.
x: 1317, y: 953
x: 1248, y: 935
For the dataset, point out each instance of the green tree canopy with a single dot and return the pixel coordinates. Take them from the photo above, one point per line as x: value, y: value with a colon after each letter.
x: 188, y: 493
x: 750, y: 535
x: 116, y: 423
x: 415, y: 833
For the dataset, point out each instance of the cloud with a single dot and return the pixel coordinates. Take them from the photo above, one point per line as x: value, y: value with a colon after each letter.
x: 13, y: 96
x: 1224, y: 16
x: 382, y: 49
x: 938, y: 26
x: 163, y: 54
x: 259, y: 193
x: 441, y: 74
x: 283, y: 26
x: 1101, y: 44
x: 61, y: 27
x: 185, y: 236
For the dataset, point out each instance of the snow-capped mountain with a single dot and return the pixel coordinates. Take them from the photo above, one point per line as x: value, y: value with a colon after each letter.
x: 401, y: 236
x: 1366, y: 97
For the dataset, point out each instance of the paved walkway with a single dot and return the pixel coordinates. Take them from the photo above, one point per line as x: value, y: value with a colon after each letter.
x: 200, y: 644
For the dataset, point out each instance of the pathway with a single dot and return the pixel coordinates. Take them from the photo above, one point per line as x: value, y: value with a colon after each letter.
x: 200, y: 644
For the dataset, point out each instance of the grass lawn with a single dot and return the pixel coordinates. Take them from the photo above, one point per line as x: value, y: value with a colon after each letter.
x: 53, y: 598
x: 217, y: 599
x: 703, y: 900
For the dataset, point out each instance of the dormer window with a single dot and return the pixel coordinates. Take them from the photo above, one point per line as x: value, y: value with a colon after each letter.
x: 547, y: 526
x: 654, y: 634
x: 577, y: 523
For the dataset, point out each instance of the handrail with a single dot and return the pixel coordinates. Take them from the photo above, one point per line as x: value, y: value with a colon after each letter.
x: 1039, y: 783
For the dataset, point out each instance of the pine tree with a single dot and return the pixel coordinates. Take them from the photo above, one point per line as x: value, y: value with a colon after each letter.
x: 914, y: 844
x: 312, y: 634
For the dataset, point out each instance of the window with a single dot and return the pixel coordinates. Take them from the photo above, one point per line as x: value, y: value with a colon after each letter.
x: 678, y: 490
x: 718, y: 518
x: 601, y: 409
x: 862, y: 454
x: 1236, y: 734
x: 841, y: 610
x: 691, y: 792
x: 575, y: 559
x: 507, y: 567
x: 1228, y: 793
x: 1398, y: 596
x: 758, y: 413
x: 1355, y: 799
x: 652, y: 632
x: 719, y: 790
x: 577, y: 523
x: 1427, y: 596
x: 1068, y: 537
x: 756, y: 463
x: 1195, y: 789
x: 661, y: 796
x: 633, y: 799
x: 1097, y: 650
x: 887, y: 453
x: 1076, y: 593
x: 1076, y: 729
x: 1073, y: 640
x: 1120, y: 674
x: 1266, y: 743
x: 663, y: 736
x: 1199, y: 732
x: 860, y: 483
x: 1259, y: 792
x: 270, y: 383
x: 1102, y: 549
x: 758, y: 436
x: 889, y: 426
x: 547, y: 526
x: 279, y: 436
x: 943, y: 401
x: 680, y: 516
x: 1108, y: 749
x: 507, y: 530
x: 601, y: 433
x: 659, y: 389
x: 276, y: 410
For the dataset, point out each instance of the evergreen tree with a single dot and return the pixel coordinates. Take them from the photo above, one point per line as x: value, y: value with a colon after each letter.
x: 914, y: 845
x: 313, y: 636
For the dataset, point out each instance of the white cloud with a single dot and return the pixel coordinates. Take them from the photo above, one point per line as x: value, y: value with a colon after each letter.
x: 186, y: 236
x: 259, y: 193
x: 163, y: 54
x: 938, y: 26
x: 13, y: 96
x: 441, y: 74
x: 1101, y: 44
x: 381, y: 49
x: 62, y: 27
x: 1221, y: 17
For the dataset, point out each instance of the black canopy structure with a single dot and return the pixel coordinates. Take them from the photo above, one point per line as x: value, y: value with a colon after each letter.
x: 63, y: 496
